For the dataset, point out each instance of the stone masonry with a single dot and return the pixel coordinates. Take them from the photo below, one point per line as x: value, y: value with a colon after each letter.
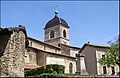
x: 12, y: 51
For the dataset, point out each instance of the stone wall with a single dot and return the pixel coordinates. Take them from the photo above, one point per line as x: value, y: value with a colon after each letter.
x: 41, y: 58
x: 58, y: 35
x: 12, y: 52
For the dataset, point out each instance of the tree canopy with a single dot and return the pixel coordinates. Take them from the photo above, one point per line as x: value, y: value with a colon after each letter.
x: 112, y: 54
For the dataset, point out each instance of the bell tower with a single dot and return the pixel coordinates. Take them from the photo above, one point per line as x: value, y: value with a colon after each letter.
x: 56, y: 31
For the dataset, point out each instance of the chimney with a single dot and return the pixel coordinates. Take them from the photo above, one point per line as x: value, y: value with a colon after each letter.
x: 88, y: 42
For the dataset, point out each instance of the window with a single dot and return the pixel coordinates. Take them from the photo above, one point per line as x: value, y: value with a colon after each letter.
x: 64, y: 33
x: 30, y: 43
x: 104, y: 70
x: 44, y: 47
x: 113, y: 70
x: 55, y: 51
x: 70, y: 68
x: 103, y: 56
x: 52, y: 33
x: 58, y: 45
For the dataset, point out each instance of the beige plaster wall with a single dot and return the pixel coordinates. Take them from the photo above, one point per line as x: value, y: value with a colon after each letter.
x: 100, y: 67
x: 44, y: 47
x: 73, y: 52
x: 54, y: 59
x: 36, y: 44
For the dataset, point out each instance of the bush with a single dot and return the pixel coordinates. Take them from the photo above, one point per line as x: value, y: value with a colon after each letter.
x: 51, y: 70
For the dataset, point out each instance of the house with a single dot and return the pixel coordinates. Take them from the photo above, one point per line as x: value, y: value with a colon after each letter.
x: 93, y: 53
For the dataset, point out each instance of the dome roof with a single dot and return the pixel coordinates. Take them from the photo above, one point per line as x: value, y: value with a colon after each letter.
x: 56, y: 21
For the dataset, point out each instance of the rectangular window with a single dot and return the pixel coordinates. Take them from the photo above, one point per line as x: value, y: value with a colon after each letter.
x: 44, y: 47
x: 104, y: 70
x: 30, y: 43
x: 113, y: 70
x: 55, y: 51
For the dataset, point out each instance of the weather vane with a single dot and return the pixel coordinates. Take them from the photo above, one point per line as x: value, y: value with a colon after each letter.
x: 56, y: 11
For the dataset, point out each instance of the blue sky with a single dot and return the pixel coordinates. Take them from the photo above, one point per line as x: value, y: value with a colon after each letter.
x: 94, y: 21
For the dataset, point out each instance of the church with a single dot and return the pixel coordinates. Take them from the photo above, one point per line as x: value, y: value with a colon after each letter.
x: 55, y: 49
x: 19, y: 52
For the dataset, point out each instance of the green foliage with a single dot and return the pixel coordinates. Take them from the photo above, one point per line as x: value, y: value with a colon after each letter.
x: 52, y: 70
x: 111, y: 55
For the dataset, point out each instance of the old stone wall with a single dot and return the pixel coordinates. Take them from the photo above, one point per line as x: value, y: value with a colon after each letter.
x: 58, y: 30
x: 47, y: 32
x: 12, y: 52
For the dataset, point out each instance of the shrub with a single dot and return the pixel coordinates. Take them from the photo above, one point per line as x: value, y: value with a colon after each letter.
x: 51, y: 70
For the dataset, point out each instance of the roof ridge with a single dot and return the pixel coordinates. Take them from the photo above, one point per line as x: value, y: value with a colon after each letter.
x: 97, y: 45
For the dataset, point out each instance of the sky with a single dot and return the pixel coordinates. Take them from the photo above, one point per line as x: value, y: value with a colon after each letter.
x: 93, y: 21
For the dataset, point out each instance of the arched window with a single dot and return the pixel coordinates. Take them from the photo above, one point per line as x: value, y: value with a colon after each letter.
x: 64, y: 33
x: 70, y: 68
x: 52, y: 33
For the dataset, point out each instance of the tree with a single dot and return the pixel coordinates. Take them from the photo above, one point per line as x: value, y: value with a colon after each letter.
x: 112, y: 54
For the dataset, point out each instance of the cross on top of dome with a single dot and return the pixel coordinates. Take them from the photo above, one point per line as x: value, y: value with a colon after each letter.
x: 56, y: 11
x: 56, y: 21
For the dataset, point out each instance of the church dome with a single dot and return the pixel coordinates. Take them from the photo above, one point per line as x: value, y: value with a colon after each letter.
x: 56, y: 21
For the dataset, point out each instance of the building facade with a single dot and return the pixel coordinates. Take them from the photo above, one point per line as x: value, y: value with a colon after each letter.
x: 55, y: 49
x: 93, y: 53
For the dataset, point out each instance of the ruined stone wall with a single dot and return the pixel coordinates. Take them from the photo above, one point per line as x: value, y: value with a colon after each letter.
x: 12, y: 53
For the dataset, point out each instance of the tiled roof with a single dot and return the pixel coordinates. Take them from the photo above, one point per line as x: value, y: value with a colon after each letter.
x: 93, y: 45
x: 56, y: 21
x: 71, y: 46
